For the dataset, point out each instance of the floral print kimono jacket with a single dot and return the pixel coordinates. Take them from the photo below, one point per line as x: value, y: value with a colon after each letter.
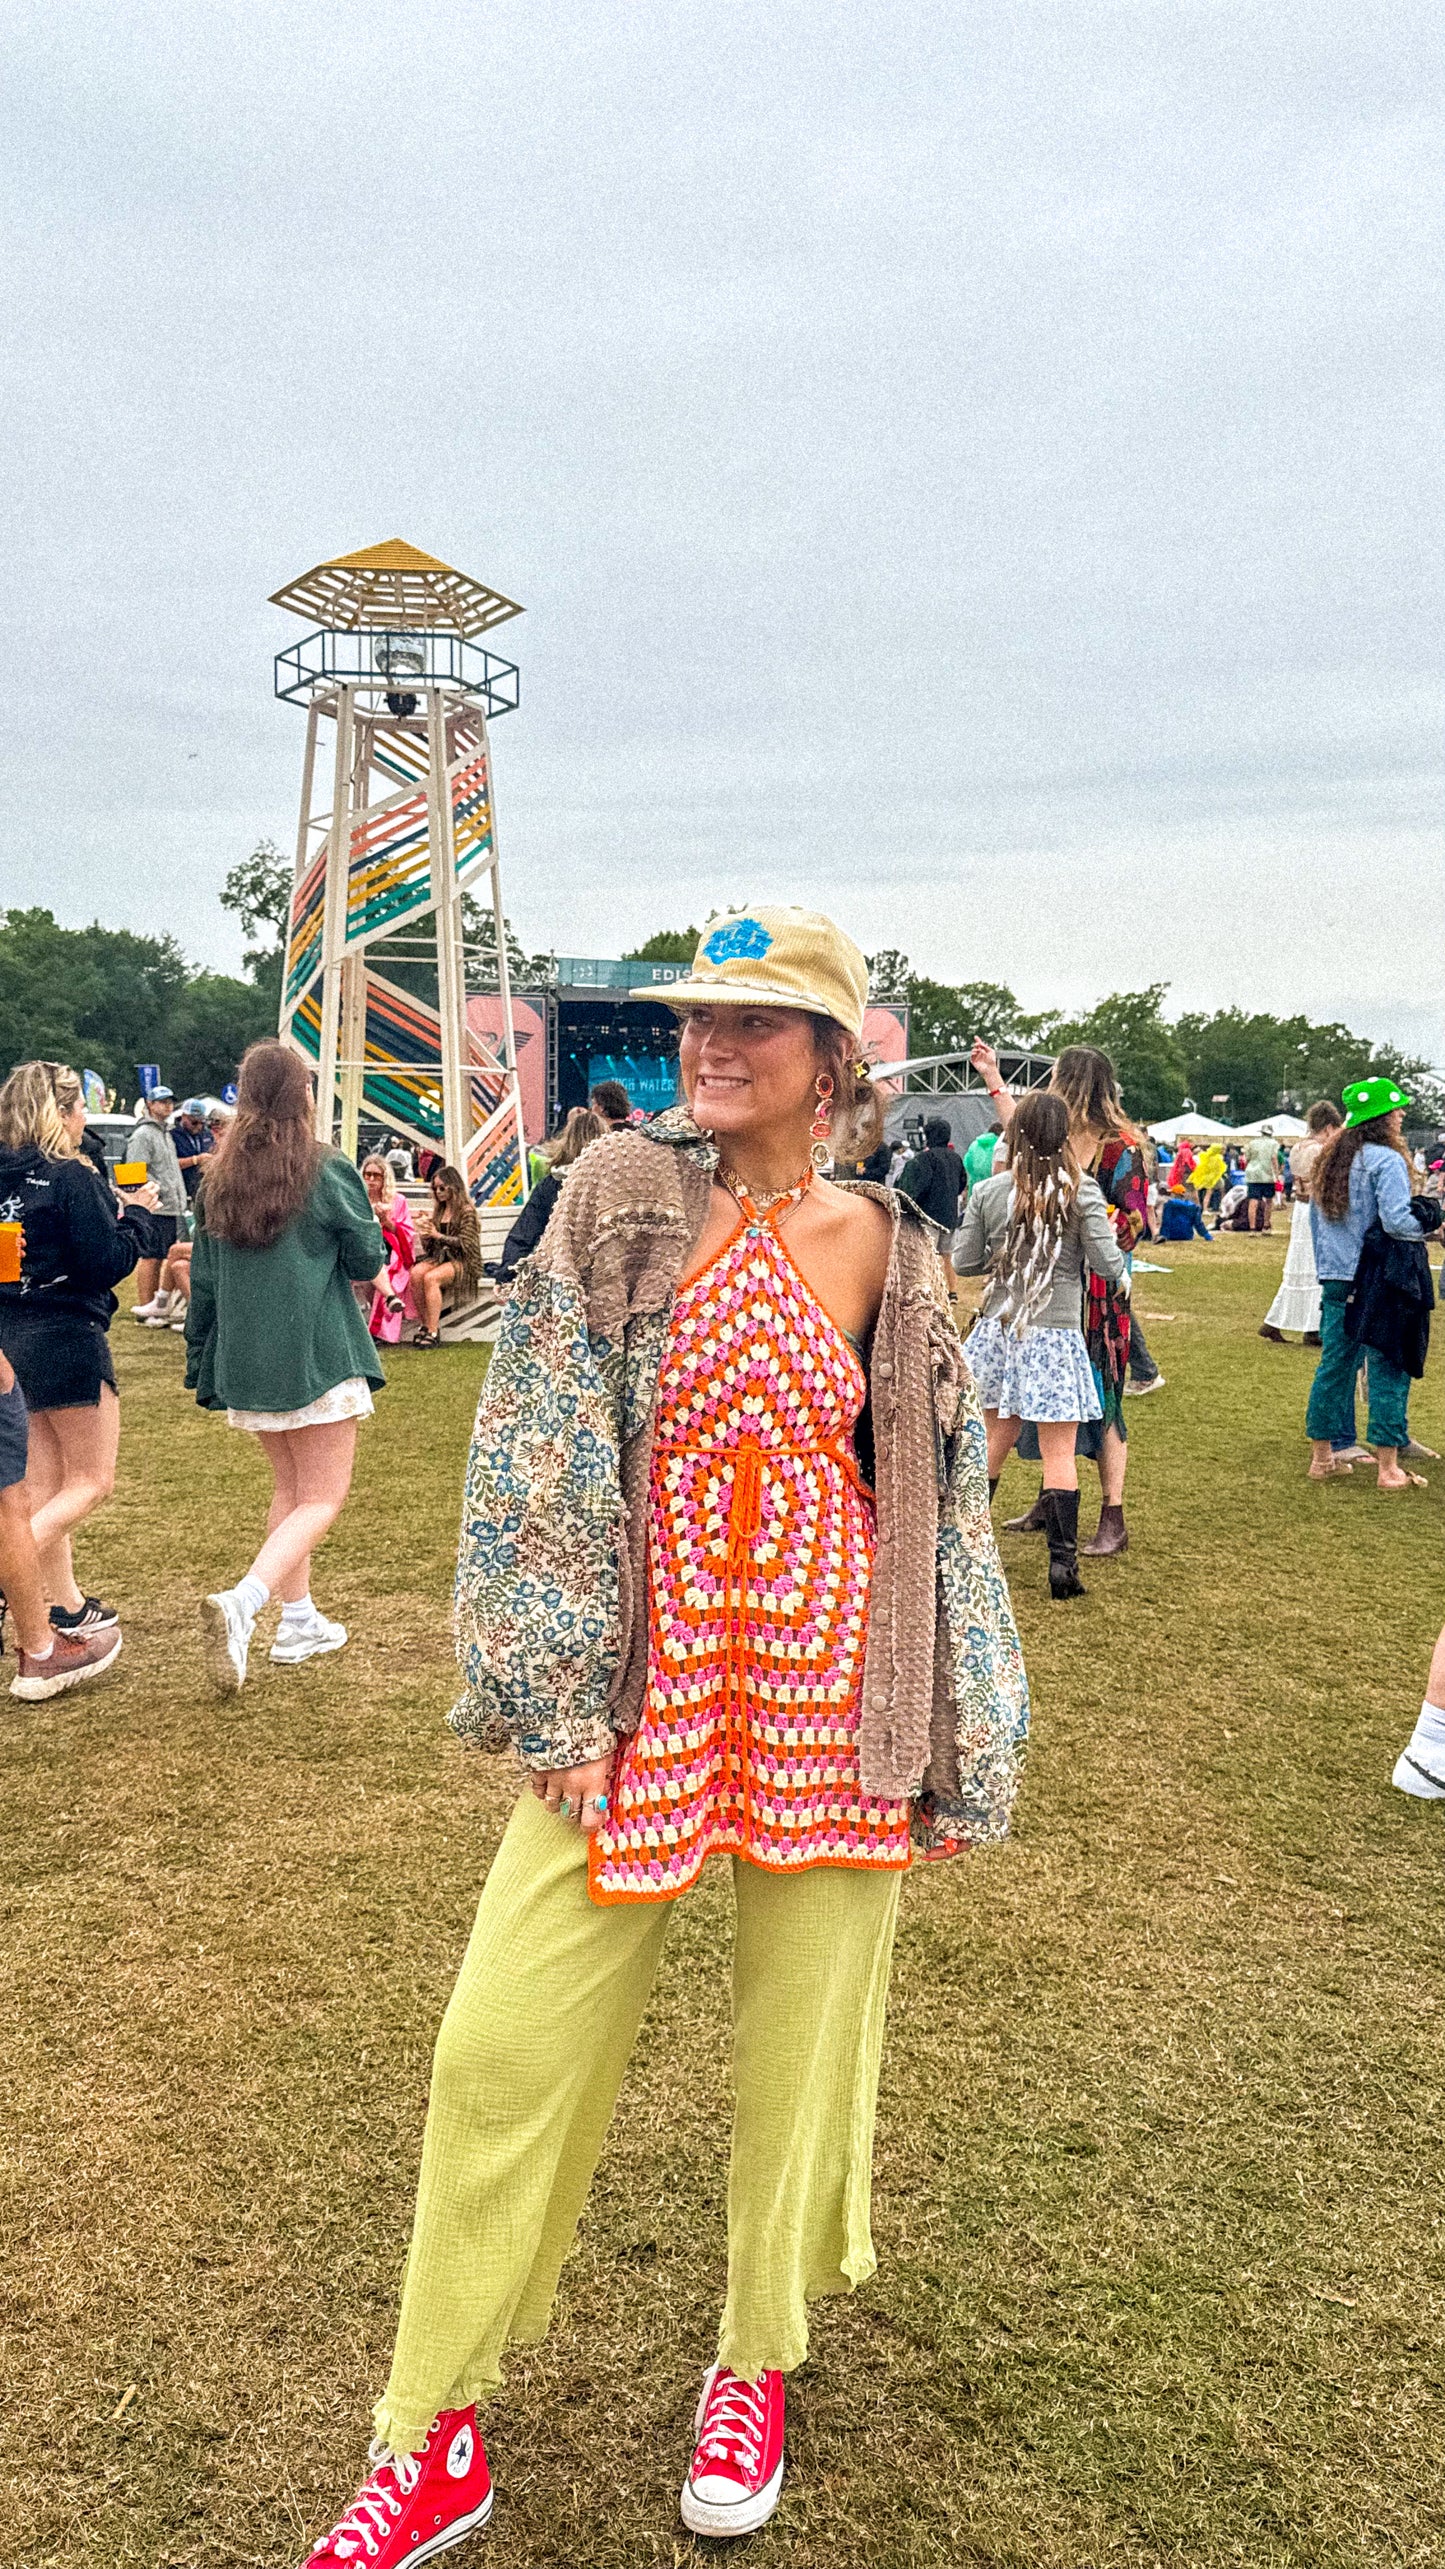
x: 551, y: 1594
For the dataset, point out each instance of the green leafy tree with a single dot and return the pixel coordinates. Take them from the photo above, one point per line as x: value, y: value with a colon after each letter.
x: 417, y: 972
x: 947, y: 1017
x: 1242, y: 1059
x: 216, y: 1018
x: 1261, y: 1064
x: 257, y: 891
x: 45, y: 980
x: 105, y: 999
x: 479, y: 931
x: 1130, y: 1027
x: 670, y: 945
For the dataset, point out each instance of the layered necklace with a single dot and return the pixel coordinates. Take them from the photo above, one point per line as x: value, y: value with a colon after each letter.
x: 764, y: 1199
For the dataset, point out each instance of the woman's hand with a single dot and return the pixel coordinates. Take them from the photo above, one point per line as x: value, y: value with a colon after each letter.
x: 577, y: 1793
x: 984, y: 1060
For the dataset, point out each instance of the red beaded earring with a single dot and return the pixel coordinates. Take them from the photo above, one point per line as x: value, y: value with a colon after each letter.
x: 822, y: 1132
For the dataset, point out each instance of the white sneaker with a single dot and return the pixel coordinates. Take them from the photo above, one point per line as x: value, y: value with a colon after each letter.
x: 1420, y: 1770
x: 178, y: 1318
x: 735, y: 2477
x: 297, y: 1641
x: 226, y: 1631
x: 152, y: 1310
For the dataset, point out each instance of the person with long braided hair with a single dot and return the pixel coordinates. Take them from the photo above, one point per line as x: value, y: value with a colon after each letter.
x: 1034, y: 1229
x: 1116, y: 1155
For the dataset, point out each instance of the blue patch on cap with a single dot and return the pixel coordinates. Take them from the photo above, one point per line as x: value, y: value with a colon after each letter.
x: 741, y: 940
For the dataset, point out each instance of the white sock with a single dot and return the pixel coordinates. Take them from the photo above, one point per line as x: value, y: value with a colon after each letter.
x: 42, y: 1654
x: 250, y: 1594
x: 298, y: 1609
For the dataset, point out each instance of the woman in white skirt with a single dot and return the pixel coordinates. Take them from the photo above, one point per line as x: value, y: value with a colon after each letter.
x: 276, y: 1339
x: 1297, y: 1303
x: 1033, y: 1230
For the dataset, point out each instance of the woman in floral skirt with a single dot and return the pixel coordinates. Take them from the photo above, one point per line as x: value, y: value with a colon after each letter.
x: 1034, y: 1229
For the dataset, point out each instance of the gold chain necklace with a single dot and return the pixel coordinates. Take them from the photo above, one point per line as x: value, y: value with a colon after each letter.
x: 763, y: 1199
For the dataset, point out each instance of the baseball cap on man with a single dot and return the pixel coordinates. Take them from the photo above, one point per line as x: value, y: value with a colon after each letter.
x: 1364, y: 1099
x: 773, y: 956
x: 195, y: 1107
x: 159, y: 1097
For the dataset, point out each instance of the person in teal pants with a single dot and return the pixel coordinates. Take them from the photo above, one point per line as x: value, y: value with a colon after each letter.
x: 1362, y: 1176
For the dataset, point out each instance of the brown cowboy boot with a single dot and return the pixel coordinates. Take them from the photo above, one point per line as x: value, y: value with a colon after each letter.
x: 1110, y: 1535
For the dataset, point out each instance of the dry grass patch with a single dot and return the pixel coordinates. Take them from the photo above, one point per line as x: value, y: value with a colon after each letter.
x: 1160, y: 2277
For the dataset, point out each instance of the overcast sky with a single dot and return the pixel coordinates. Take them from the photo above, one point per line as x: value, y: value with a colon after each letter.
x: 974, y: 467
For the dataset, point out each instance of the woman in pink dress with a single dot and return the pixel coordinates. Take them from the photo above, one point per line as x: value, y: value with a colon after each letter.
x: 399, y: 1232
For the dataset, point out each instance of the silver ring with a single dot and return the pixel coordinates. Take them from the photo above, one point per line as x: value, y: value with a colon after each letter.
x: 601, y: 1802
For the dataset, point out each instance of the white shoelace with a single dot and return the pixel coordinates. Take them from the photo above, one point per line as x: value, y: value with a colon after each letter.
x: 375, y: 2507
x: 733, y: 2427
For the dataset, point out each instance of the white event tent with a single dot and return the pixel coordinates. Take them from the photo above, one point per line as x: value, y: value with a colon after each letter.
x: 1197, y: 1128
x: 1285, y: 1128
x: 1203, y: 1128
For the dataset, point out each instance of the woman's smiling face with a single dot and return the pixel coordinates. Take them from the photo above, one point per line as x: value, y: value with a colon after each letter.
x: 748, y: 1069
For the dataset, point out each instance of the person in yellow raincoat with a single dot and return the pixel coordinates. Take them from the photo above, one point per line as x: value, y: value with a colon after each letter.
x: 1209, y: 1171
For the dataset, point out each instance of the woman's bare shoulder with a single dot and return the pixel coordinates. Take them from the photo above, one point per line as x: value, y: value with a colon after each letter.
x: 862, y: 1222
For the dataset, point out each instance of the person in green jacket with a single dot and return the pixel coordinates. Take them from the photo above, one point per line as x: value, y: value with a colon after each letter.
x: 275, y: 1337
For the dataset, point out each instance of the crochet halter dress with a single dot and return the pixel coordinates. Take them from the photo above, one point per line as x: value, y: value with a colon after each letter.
x: 760, y: 1553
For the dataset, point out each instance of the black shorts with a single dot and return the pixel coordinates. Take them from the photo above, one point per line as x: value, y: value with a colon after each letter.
x: 60, y: 1358
x: 1257, y: 1190
x: 163, y: 1230
x: 14, y: 1437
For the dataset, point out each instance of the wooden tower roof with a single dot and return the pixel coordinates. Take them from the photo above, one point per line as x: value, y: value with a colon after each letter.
x: 395, y: 585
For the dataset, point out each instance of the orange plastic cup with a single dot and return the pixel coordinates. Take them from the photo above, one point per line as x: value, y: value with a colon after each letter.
x: 131, y: 1172
x: 12, y: 1242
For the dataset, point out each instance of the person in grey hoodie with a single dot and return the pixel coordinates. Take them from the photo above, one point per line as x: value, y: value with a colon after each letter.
x: 1034, y: 1229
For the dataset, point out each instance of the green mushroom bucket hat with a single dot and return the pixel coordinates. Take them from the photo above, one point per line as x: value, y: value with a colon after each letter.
x: 1366, y: 1099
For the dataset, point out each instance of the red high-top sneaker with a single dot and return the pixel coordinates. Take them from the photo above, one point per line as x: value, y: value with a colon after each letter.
x: 736, y: 2474
x: 414, y: 2505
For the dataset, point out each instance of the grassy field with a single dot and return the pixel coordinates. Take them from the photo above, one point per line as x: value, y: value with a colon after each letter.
x: 1157, y: 2195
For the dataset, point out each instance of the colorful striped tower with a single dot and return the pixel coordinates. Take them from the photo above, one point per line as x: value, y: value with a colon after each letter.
x: 396, y: 670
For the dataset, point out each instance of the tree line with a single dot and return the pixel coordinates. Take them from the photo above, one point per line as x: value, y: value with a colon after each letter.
x: 1233, y: 1063
x: 105, y: 999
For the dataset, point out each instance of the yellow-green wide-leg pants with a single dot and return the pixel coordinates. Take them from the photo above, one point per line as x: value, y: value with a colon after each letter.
x: 528, y: 2064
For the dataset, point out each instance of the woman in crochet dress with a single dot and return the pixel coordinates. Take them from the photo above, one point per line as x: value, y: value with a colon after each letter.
x: 728, y: 1584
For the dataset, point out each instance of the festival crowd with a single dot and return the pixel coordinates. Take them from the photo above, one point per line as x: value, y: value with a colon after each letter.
x: 728, y: 1580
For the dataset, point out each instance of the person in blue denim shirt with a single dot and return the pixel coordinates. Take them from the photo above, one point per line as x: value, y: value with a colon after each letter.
x: 1362, y: 1176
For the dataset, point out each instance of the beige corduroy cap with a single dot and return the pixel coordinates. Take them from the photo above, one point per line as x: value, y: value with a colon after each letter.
x: 774, y: 957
